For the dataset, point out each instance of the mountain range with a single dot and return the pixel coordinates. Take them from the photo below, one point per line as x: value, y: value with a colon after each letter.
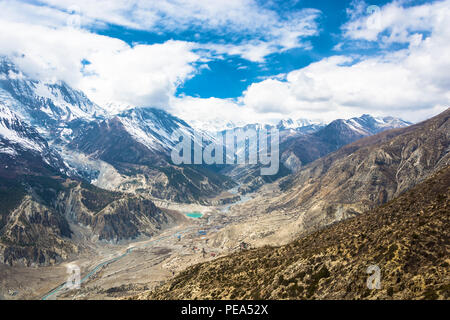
x: 366, y: 173
x: 134, y: 145
x: 382, y: 202
x: 71, y: 170
x: 302, y: 142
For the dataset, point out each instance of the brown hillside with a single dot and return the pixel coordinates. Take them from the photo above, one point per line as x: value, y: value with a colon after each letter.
x: 408, y: 238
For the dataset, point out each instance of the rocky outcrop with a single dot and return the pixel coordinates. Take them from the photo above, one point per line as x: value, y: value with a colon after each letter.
x: 35, y: 235
x: 145, y: 169
x: 407, y: 238
x: 112, y: 216
x: 129, y: 218
x: 35, y: 226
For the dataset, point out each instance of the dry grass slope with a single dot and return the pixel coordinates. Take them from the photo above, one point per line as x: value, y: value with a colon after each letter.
x: 408, y: 238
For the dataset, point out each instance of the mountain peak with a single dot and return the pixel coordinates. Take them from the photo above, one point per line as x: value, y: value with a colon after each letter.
x: 43, y: 103
x: 8, y: 69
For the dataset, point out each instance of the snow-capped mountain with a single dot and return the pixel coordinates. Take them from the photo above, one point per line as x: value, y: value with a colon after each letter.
x: 217, y: 125
x: 299, y: 147
x: 307, y: 148
x: 136, y: 135
x: 367, y: 124
x: 299, y: 124
x: 21, y: 144
x: 153, y: 127
x: 45, y: 105
x: 340, y: 132
x: 137, y: 141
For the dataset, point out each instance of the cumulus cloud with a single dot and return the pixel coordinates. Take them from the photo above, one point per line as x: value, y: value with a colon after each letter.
x: 254, y: 31
x: 105, y: 68
x: 139, y: 75
x: 54, y: 40
x: 412, y: 83
x: 393, y: 23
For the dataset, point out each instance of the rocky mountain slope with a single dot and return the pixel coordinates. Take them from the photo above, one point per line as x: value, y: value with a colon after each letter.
x: 407, y: 238
x: 365, y: 174
x: 136, y: 142
x: 302, y: 142
x: 39, y: 199
x: 37, y: 213
x: 27, y: 227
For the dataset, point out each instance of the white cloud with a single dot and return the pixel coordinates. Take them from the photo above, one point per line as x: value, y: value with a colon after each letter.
x: 393, y: 23
x: 142, y: 75
x: 139, y: 75
x: 231, y: 15
x: 210, y: 111
x: 42, y: 40
x: 253, y: 31
x: 215, y: 113
x: 412, y: 83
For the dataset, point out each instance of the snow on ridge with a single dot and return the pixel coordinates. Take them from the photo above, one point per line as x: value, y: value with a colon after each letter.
x: 8, y: 150
x: 9, y: 121
x: 29, y: 94
x: 138, y: 134
x: 152, y: 131
x: 355, y: 126
x: 219, y: 125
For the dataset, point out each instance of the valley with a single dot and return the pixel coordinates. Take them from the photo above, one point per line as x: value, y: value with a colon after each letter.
x: 111, y: 270
x: 407, y: 238
x: 114, y: 270
x: 83, y: 187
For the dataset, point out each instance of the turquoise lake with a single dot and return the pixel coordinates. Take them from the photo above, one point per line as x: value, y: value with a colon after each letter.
x: 194, y: 215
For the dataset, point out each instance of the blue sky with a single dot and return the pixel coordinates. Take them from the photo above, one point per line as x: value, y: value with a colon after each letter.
x: 230, y: 76
x: 240, y: 60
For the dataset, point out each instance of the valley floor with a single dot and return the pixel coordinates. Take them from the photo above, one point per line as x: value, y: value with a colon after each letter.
x: 109, y: 271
